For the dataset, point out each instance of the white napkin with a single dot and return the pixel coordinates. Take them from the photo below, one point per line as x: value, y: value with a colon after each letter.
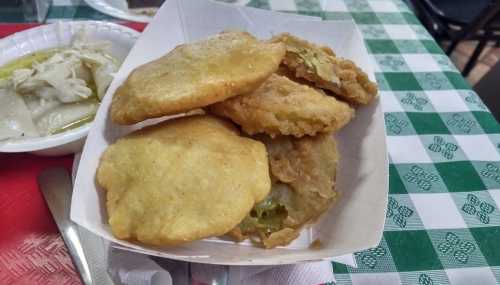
x: 127, y: 268
x: 135, y: 269
x: 307, y: 273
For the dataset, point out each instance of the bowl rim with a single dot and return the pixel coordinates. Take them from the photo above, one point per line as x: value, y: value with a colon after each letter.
x: 51, y: 141
x: 46, y: 142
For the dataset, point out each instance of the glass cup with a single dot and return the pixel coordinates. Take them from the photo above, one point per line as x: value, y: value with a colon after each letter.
x: 36, y: 10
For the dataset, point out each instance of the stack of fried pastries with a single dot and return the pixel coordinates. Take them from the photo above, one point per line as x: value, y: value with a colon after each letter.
x: 260, y: 163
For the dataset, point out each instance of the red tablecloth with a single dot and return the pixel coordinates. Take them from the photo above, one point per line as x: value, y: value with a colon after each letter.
x: 31, y: 249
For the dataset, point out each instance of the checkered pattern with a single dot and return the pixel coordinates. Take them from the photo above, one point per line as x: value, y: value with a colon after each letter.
x: 443, y: 217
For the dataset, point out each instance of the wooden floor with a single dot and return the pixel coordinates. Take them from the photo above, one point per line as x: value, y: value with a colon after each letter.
x: 489, y: 57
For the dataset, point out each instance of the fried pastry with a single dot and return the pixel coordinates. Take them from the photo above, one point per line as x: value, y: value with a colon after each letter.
x: 303, y: 172
x: 195, y: 75
x: 320, y: 66
x: 281, y: 106
x: 182, y: 180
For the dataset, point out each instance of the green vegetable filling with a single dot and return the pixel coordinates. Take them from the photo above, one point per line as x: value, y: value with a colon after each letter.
x: 265, y: 218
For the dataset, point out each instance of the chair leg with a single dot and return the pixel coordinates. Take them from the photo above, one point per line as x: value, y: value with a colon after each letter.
x: 451, y: 47
x: 475, y: 55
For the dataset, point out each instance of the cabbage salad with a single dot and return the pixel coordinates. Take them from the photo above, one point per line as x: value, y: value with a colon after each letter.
x: 51, y: 91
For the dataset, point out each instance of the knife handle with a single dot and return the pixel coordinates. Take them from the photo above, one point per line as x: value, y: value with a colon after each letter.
x: 56, y: 187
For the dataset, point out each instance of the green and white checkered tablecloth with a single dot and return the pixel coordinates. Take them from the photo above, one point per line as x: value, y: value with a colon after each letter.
x: 443, y: 218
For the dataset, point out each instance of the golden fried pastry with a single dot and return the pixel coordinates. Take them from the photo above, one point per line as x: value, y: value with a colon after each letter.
x: 182, y: 180
x: 281, y: 106
x: 320, y: 66
x: 195, y: 75
x: 303, y: 172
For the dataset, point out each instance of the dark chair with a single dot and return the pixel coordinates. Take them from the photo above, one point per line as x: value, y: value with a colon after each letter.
x: 458, y: 20
x: 487, y: 89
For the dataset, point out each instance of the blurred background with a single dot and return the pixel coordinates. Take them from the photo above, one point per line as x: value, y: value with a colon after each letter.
x: 469, y: 32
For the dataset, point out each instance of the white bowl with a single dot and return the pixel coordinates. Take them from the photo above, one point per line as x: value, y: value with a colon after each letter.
x: 57, y: 35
